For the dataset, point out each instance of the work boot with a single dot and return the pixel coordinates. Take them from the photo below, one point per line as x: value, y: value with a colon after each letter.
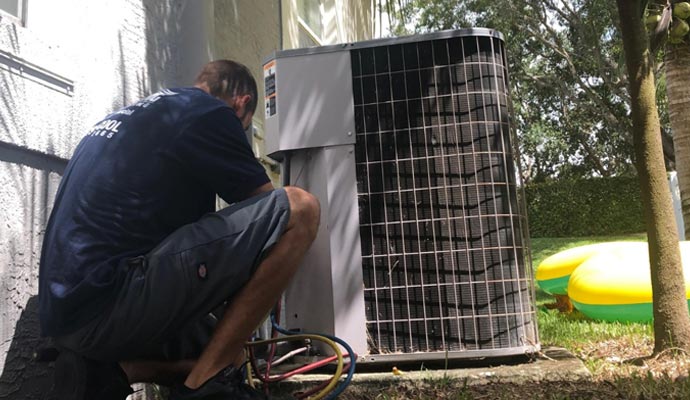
x: 228, y: 384
x: 77, y: 378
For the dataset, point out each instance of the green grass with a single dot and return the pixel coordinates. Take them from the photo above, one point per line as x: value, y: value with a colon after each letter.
x: 574, y: 329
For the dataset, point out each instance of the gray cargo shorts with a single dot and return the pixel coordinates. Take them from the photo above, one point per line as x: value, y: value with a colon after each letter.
x: 163, y: 309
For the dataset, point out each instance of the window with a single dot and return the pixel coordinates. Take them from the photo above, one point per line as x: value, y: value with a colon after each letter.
x: 310, y: 18
x: 14, y: 9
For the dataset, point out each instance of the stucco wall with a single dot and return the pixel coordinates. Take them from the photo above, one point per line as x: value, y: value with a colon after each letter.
x: 72, y: 62
x: 25, y: 197
x: 113, y: 51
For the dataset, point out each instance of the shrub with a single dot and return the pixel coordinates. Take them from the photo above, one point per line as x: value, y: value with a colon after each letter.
x: 586, y: 207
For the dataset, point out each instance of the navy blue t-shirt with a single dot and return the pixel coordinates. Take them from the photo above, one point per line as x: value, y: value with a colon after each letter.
x: 136, y: 176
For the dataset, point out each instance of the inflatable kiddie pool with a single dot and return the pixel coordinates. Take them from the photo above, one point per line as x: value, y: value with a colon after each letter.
x: 615, y: 285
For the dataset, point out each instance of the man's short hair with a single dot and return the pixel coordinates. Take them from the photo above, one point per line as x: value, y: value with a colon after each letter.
x: 227, y: 78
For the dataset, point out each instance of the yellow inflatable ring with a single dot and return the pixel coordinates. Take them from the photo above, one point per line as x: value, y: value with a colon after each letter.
x: 616, y: 285
x: 553, y: 273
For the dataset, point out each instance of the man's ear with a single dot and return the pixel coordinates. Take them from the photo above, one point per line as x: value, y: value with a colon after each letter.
x: 239, y: 103
x: 245, y: 99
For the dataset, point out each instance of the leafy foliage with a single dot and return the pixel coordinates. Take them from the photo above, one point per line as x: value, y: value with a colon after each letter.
x: 585, y: 207
x: 568, y: 80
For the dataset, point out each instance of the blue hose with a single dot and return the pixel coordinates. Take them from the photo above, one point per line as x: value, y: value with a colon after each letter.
x: 350, y: 372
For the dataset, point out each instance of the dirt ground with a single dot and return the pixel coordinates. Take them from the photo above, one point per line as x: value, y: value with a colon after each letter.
x: 621, y: 370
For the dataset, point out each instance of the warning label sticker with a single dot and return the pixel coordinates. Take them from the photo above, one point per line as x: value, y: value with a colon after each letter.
x: 270, y: 85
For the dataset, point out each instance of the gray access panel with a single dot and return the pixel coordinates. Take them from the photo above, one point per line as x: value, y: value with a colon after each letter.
x: 308, y: 102
x: 327, y: 295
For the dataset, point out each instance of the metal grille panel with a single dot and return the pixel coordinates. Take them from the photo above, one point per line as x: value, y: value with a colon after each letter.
x: 442, y: 233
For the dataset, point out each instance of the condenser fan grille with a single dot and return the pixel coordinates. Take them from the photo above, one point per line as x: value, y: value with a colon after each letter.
x: 442, y: 235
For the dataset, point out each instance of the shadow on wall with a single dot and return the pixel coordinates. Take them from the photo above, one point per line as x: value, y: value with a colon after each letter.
x: 161, y: 63
x: 22, y: 376
x: 130, y: 91
x: 162, y: 42
x: 165, y: 65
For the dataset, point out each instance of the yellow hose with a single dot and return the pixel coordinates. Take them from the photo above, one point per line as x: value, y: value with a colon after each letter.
x: 250, y: 378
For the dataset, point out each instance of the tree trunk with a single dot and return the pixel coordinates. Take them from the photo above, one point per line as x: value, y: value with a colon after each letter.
x: 677, y: 61
x: 671, y: 318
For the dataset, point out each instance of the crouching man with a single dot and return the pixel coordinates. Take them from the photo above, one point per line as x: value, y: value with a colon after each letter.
x: 135, y: 258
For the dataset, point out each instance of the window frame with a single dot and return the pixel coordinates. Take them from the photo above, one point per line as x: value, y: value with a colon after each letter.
x: 19, y: 19
x: 304, y: 25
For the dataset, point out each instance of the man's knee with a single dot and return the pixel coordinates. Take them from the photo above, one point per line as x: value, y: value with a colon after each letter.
x: 305, y: 210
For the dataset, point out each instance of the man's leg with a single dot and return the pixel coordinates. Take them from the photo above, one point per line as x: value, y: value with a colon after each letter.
x: 167, y: 270
x: 253, y: 302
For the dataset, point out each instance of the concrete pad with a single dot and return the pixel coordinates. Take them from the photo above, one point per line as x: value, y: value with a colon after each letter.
x: 553, y: 364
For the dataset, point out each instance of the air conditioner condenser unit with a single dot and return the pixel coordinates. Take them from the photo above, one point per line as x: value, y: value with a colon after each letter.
x: 408, y: 143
